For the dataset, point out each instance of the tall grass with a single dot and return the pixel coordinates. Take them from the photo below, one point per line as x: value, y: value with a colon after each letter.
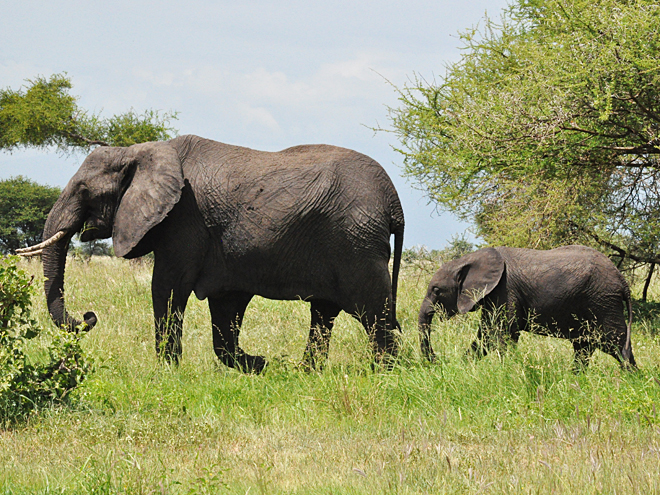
x: 514, y: 422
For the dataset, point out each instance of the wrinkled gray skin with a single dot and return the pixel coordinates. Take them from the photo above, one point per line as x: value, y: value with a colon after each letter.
x: 573, y: 292
x: 310, y: 222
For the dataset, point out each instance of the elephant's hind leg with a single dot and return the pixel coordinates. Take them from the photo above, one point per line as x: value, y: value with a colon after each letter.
x: 367, y: 297
x: 227, y: 316
x: 318, y: 344
x: 376, y: 322
x: 615, y: 346
x: 615, y: 339
x: 583, y: 349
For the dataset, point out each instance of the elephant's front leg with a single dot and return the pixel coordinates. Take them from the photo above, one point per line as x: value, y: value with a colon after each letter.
x: 497, y: 329
x: 227, y: 316
x: 318, y: 345
x: 484, y: 341
x: 479, y: 347
x: 169, y: 302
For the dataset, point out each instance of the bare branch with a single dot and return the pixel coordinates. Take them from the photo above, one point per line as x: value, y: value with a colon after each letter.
x: 654, y: 258
x: 594, y: 133
x: 90, y: 142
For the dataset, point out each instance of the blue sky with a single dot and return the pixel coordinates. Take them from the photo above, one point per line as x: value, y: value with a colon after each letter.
x: 262, y: 74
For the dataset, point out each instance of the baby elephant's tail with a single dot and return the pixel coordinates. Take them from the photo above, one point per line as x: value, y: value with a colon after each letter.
x: 626, y: 352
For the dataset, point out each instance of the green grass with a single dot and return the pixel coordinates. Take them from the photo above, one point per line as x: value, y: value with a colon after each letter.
x: 519, y: 422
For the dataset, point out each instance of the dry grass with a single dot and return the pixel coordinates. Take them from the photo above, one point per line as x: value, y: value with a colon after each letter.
x: 513, y: 423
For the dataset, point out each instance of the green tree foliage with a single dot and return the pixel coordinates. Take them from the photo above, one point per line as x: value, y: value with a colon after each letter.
x: 24, y: 207
x: 45, y: 114
x: 25, y: 385
x: 547, y: 130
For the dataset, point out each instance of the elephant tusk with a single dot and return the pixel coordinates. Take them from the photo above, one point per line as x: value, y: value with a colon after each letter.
x: 31, y: 253
x: 30, y: 250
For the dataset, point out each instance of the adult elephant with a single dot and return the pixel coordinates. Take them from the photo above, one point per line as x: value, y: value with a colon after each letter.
x: 573, y: 292
x: 227, y: 222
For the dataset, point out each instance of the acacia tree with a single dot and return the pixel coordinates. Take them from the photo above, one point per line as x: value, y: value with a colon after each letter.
x: 44, y: 114
x: 547, y: 130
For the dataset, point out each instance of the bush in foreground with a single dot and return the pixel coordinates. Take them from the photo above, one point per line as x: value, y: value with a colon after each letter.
x: 26, y: 386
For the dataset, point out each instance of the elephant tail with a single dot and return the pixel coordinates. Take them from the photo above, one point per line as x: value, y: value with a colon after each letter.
x: 627, y: 350
x: 397, y: 230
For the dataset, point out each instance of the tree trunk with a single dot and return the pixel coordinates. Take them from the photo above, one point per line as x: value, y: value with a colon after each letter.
x: 648, y: 282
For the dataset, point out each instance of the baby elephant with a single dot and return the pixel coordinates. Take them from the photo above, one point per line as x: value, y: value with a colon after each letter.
x: 573, y: 292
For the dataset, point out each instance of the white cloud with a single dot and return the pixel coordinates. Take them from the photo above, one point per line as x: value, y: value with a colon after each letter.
x: 260, y: 99
x: 331, y: 84
x: 259, y: 116
x: 274, y: 87
x: 162, y: 78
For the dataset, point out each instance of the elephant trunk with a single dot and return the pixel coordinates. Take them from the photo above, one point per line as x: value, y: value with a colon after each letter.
x: 54, y: 261
x: 426, y: 313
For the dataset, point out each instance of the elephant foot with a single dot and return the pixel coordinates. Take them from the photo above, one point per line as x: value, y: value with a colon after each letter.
x: 430, y: 357
x: 384, y: 360
x: 306, y: 366
x: 629, y: 366
x: 169, y: 358
x: 579, y: 368
x: 384, y: 364
x: 310, y: 365
x: 477, y: 350
x: 251, y: 364
x: 242, y: 361
x: 386, y: 346
x: 313, y: 361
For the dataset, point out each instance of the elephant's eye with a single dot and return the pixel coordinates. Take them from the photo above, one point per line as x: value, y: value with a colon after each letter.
x: 436, y: 290
x: 84, y: 193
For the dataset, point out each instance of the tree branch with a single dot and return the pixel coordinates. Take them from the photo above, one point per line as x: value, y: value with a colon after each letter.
x: 90, y: 142
x: 594, y: 133
x: 655, y: 258
x: 646, y: 149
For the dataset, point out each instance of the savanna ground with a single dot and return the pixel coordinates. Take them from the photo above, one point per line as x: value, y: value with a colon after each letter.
x: 520, y: 422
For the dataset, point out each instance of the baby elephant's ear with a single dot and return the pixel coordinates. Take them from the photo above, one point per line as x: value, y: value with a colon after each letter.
x: 155, y: 183
x: 479, y: 275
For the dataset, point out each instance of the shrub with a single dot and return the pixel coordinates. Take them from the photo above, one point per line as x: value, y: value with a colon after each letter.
x: 420, y: 255
x: 26, y: 386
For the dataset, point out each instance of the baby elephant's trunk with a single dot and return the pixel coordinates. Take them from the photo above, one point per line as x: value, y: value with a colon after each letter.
x: 426, y: 313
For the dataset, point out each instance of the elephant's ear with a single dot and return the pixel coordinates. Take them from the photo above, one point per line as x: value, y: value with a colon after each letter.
x: 479, y: 275
x: 153, y: 190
